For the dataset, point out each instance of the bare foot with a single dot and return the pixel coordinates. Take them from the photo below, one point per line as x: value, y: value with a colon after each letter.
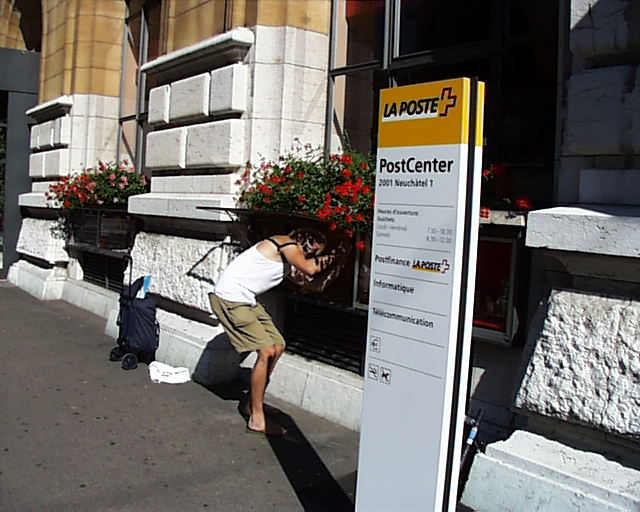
x: 271, y: 428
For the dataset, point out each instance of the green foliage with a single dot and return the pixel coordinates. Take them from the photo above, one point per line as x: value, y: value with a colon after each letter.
x: 338, y: 189
x: 107, y: 185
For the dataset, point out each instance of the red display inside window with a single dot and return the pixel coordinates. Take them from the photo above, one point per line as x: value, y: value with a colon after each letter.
x: 493, y: 283
x: 358, y: 7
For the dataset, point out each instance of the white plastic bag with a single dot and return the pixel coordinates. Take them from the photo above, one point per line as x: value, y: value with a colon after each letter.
x: 163, y: 373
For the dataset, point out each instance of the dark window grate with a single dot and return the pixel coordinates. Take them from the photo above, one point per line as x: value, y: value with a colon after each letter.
x: 326, y: 335
x: 102, y: 270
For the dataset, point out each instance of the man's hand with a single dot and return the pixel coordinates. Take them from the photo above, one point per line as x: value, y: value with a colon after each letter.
x: 324, y: 261
x: 326, y: 268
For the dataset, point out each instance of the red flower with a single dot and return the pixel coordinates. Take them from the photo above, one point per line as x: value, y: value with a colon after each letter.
x: 330, y: 187
x: 349, y: 233
x: 360, y: 245
x: 345, y: 189
x: 523, y: 202
x: 324, y: 212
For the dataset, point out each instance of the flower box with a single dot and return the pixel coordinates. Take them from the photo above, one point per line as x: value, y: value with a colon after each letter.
x: 111, y: 229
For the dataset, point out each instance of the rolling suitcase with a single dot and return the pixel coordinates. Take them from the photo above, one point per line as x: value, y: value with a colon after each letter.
x: 138, y: 329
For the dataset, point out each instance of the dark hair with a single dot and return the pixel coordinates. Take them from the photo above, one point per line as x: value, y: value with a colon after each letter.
x: 311, y: 235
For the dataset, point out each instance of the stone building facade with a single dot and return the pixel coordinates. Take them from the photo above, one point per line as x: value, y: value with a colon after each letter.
x: 190, y: 90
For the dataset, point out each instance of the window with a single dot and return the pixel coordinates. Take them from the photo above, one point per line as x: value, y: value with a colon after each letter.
x: 511, y: 45
x: 355, y: 99
x: 103, y: 270
x: 357, y: 29
x: 432, y: 24
x: 141, y: 44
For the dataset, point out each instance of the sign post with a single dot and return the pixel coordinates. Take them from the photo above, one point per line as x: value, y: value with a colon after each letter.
x: 421, y: 295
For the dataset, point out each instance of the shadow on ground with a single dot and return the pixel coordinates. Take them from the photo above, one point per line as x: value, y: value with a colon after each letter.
x: 311, y: 480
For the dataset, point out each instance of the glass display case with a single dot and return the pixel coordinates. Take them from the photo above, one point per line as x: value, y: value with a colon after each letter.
x: 501, y: 266
x: 494, y: 317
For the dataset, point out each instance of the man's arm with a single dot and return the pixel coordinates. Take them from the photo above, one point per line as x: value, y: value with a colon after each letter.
x: 296, y: 257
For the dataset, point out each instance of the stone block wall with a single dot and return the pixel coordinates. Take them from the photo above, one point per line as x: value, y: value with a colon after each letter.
x: 604, y: 27
x: 198, y: 117
x: 289, y: 72
x: 183, y: 269
x: 50, y: 139
x: 38, y: 240
x: 585, y: 367
x: 71, y: 133
x: 581, y: 366
x: 244, y: 95
x: 602, y: 120
x: 603, y: 111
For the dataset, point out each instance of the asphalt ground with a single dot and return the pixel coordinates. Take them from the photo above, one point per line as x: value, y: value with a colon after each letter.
x: 78, y: 433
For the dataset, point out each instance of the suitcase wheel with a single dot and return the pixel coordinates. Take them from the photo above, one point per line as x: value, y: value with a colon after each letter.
x: 116, y: 354
x: 129, y: 362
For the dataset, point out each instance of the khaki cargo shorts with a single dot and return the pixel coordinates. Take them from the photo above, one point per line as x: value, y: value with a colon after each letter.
x: 249, y: 327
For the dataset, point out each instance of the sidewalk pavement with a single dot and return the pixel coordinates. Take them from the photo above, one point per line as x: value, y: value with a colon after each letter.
x: 78, y: 433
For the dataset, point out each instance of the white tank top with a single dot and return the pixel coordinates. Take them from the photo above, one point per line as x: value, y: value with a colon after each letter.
x: 248, y: 275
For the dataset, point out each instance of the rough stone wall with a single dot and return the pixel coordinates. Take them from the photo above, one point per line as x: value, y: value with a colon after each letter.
x: 183, y: 270
x: 601, y: 129
x: 585, y: 367
x: 289, y: 83
x: 42, y: 239
x: 601, y: 27
x: 603, y: 111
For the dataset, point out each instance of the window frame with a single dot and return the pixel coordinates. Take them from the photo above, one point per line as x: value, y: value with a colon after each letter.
x: 141, y: 108
x: 493, y: 50
x: 392, y: 64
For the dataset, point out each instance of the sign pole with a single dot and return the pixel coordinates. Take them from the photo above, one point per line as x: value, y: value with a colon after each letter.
x: 421, y: 295
x: 465, y: 322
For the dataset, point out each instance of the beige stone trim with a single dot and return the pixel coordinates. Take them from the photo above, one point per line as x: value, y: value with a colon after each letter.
x: 81, y: 47
x: 190, y: 21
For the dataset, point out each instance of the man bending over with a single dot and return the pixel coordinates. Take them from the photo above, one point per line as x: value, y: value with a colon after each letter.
x: 246, y: 322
